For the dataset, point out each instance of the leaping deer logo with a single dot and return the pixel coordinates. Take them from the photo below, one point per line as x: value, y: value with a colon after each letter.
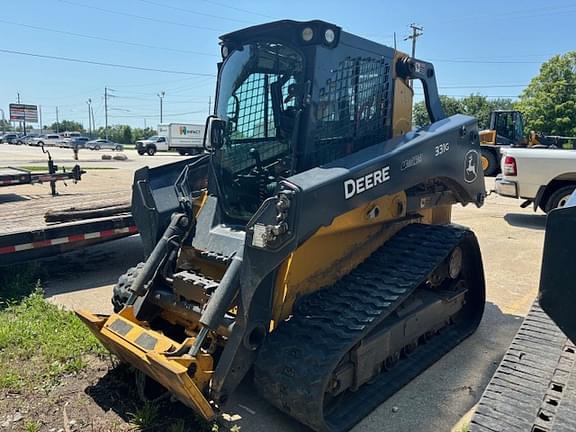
x: 471, y: 173
x: 471, y: 168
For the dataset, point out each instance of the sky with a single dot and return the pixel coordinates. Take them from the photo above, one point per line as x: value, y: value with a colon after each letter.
x: 492, y: 47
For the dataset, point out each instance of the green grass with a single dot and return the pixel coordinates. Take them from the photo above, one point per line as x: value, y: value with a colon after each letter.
x: 146, y: 416
x: 44, y: 168
x: 18, y: 281
x: 39, y: 343
x: 32, y: 426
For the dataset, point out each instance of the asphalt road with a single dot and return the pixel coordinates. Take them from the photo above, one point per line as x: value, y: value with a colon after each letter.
x: 15, y: 155
x: 441, y: 399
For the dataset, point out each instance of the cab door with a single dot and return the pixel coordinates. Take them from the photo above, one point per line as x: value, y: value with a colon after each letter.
x: 162, y: 144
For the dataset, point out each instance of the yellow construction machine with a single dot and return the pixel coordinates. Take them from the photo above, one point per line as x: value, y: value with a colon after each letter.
x: 312, y: 244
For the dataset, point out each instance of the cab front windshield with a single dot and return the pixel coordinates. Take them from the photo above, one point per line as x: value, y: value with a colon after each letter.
x: 259, y: 97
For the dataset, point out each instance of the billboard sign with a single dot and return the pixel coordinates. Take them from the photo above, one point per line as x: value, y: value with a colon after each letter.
x: 21, y: 112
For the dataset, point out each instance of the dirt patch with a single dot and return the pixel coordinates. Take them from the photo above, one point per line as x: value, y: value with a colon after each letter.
x: 102, y: 397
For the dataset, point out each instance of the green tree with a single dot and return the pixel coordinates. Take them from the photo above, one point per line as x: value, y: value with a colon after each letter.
x: 139, y: 133
x: 474, y: 105
x: 5, y: 125
x: 480, y: 107
x: 420, y: 115
x: 67, y: 125
x: 118, y: 133
x: 549, y: 102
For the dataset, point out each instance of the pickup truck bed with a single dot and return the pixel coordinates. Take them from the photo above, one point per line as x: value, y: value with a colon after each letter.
x: 542, y: 177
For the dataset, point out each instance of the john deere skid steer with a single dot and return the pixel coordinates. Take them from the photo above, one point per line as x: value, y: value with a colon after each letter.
x: 312, y: 244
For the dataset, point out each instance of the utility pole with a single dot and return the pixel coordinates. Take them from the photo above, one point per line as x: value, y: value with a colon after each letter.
x: 57, y: 121
x: 106, y: 110
x: 20, y: 123
x: 161, y: 96
x: 92, y: 115
x: 89, y: 102
x: 3, y: 121
x: 417, y: 31
x: 209, y: 105
x: 40, y: 117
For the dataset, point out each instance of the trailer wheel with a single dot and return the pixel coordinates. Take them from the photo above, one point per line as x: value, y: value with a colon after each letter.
x: 182, y: 152
x: 151, y: 150
x: 123, y: 287
x: 489, y: 163
x: 141, y: 152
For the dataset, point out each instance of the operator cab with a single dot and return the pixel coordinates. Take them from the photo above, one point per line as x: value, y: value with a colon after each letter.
x: 509, y: 127
x: 287, y: 102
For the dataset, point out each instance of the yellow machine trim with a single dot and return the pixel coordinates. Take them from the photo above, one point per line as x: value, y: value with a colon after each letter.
x: 402, y: 108
x: 335, y: 250
x: 487, y: 136
x: 150, y: 352
x: 485, y: 162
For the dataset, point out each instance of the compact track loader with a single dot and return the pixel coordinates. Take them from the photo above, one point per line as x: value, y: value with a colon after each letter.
x: 312, y: 244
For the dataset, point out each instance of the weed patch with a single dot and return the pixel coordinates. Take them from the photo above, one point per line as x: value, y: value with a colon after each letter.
x: 39, y: 343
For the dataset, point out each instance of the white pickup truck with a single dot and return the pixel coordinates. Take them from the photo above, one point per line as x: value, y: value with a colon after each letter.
x: 543, y: 177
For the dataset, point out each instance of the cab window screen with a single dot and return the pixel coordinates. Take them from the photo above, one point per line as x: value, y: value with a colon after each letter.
x: 354, y: 108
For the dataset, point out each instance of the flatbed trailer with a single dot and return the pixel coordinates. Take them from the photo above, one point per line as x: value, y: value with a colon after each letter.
x: 10, y: 176
x: 26, y: 235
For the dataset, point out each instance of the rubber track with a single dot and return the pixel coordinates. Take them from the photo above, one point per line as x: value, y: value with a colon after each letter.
x: 297, y: 360
x: 534, y: 388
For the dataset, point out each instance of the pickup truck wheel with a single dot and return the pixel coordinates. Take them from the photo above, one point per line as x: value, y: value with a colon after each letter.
x: 151, y: 150
x: 559, y: 198
x: 123, y: 288
x: 489, y: 163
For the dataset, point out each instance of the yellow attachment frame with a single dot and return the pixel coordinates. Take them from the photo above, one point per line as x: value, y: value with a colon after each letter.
x: 158, y: 356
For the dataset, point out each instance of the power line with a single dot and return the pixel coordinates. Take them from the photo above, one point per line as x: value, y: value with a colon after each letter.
x: 192, y: 11
x: 142, y: 17
x: 156, y: 84
x: 514, y: 14
x: 484, y: 61
x: 106, y: 39
x: 121, y: 66
x: 224, y: 5
x: 482, y: 86
x: 468, y: 95
x: 156, y: 115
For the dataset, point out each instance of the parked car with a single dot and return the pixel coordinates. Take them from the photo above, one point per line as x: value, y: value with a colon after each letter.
x: 101, y: 144
x: 544, y: 178
x: 78, y: 142
x: 30, y: 137
x: 9, y: 138
x: 46, y: 140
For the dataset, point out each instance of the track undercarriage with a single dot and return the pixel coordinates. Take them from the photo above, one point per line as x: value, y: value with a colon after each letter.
x: 349, y: 347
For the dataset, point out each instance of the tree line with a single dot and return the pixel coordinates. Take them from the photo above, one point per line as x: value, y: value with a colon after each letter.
x: 548, y: 103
